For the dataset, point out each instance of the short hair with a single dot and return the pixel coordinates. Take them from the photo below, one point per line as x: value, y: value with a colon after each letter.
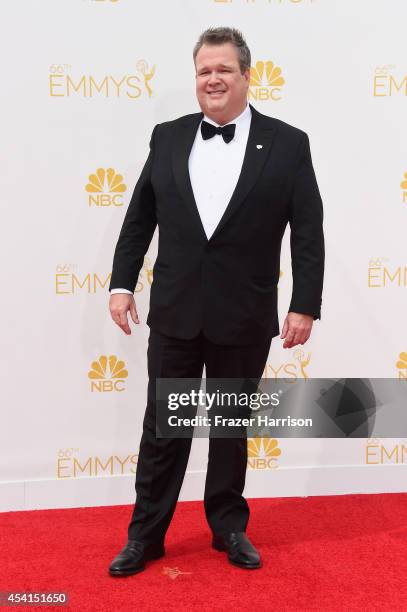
x: 219, y: 36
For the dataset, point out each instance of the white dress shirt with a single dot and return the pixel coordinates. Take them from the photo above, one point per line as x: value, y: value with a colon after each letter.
x: 214, y: 168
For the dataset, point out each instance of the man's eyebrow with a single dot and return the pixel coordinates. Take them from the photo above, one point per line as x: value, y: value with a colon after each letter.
x: 220, y: 66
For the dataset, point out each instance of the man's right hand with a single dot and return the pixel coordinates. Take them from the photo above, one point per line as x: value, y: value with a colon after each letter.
x: 119, y: 305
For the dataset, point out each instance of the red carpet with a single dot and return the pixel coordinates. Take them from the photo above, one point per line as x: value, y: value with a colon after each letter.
x: 319, y: 553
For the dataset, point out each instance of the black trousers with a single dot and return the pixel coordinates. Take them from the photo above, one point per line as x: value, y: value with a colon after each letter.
x: 162, y: 461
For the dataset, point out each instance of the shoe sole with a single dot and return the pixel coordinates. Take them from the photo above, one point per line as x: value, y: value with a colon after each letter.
x: 221, y: 548
x: 152, y: 557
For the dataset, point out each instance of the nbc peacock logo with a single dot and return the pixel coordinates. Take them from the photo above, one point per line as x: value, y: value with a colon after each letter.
x: 105, y: 188
x: 263, y: 453
x: 401, y: 366
x: 107, y: 374
x: 403, y: 186
x: 266, y: 81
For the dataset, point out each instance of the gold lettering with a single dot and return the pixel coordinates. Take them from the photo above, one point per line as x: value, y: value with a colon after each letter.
x: 93, y: 82
x: 273, y: 95
x: 61, y: 466
x: 75, y: 279
x: 94, y: 200
x: 135, y: 87
x: 368, y: 454
x: 287, y: 370
x: 53, y: 84
x: 70, y: 82
x: 104, y: 467
x: 117, y: 200
x: 275, y: 372
x: 398, y: 87
x: 389, y: 456
x: 118, y: 85
x: 370, y: 272
x: 377, y: 84
x: 119, y: 385
x: 105, y: 199
x: 122, y: 463
x: 59, y: 282
x: 96, y: 386
x: 387, y: 273
x: 133, y: 459
x: 96, y: 280
x: 80, y: 467
x: 263, y: 93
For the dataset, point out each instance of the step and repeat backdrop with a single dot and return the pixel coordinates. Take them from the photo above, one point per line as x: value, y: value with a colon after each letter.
x: 83, y: 84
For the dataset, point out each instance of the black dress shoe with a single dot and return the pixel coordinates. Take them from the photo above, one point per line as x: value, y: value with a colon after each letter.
x: 133, y: 557
x: 241, y: 551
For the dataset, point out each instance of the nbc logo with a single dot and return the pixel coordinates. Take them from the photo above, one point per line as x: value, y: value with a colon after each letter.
x: 105, y: 188
x: 107, y: 374
x: 401, y: 366
x: 403, y: 186
x: 263, y: 453
x: 265, y: 81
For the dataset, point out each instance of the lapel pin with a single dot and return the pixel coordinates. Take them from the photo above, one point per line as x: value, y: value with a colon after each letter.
x: 259, y: 146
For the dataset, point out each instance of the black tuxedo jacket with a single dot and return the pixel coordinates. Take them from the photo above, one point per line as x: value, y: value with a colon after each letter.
x: 225, y: 286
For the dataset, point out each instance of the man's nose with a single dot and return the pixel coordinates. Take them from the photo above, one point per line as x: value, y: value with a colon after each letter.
x: 213, y: 77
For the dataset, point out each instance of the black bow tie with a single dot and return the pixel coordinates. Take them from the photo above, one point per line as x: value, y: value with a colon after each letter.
x: 227, y: 131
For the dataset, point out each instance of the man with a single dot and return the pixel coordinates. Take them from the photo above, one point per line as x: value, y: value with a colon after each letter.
x: 221, y: 185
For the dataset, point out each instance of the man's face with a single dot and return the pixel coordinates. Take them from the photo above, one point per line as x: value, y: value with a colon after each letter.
x: 221, y: 88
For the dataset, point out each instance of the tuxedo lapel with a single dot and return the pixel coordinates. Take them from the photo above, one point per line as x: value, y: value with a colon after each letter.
x: 258, y: 147
x: 184, y: 139
x: 259, y: 144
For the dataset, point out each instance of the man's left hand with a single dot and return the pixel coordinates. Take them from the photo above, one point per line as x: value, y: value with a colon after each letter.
x: 296, y: 329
